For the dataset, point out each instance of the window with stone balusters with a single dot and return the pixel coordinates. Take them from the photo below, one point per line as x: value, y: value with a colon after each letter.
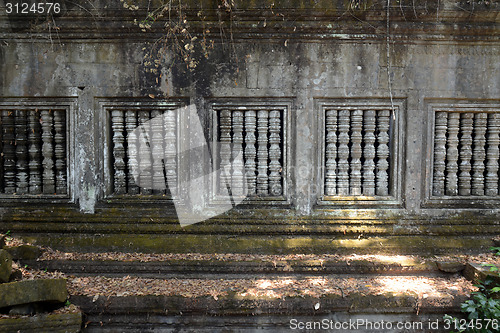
x: 464, y: 149
x: 33, y: 146
x: 361, y: 150
x: 257, y: 131
x: 144, y: 143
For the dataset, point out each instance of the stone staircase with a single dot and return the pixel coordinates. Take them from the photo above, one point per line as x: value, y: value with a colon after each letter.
x: 362, y: 293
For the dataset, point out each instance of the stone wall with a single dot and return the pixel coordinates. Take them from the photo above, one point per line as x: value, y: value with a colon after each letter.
x: 370, y: 132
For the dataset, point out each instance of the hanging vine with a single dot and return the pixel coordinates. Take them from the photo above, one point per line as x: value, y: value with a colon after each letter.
x: 178, y: 33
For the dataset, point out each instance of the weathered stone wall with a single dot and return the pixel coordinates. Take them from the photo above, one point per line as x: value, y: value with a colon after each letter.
x: 324, y: 69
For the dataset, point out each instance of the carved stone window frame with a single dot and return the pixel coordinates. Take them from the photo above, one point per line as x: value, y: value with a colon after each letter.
x: 433, y: 105
x: 288, y: 143
x: 69, y: 105
x: 105, y: 106
x: 396, y: 151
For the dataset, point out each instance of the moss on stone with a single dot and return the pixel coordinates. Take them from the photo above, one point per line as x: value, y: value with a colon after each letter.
x: 5, y: 266
x: 32, y: 291
x: 24, y: 252
x: 269, y: 244
x: 44, y: 323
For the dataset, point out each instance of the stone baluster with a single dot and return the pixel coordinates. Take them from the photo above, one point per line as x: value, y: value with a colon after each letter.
x: 238, y: 166
x: 383, y: 124
x: 452, y: 154
x: 275, y: 187
x: 250, y: 152
x: 132, y: 153
x: 262, y: 153
x: 9, y: 152
x: 170, y: 153
x: 479, y: 153
x: 356, y: 152
x: 145, y: 158
x: 60, y: 150
x: 492, y: 154
x: 21, y: 153
x: 157, y: 151
x: 34, y: 151
x: 369, y: 153
x: 343, y: 153
x: 120, y: 178
x: 439, y: 153
x: 48, y: 153
x: 225, y: 149
x: 465, y: 153
x: 331, y: 153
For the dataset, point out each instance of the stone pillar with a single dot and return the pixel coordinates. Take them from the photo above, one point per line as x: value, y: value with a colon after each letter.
x: 87, y: 171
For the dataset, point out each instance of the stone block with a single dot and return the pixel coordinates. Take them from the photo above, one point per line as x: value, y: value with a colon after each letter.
x: 450, y: 266
x: 24, y: 252
x: 44, y: 323
x: 477, y: 273
x: 5, y: 266
x: 29, y: 291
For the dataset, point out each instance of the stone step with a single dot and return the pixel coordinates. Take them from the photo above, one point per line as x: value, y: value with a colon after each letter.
x: 236, y: 313
x: 231, y: 305
x: 317, y: 243
x: 248, y: 293
x: 44, y: 323
x: 235, y: 269
x: 333, y: 322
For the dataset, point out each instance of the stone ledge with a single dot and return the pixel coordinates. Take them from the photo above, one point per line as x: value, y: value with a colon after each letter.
x: 263, y: 244
x: 229, y: 269
x: 206, y: 314
x: 265, y: 227
x: 302, y: 20
x: 232, y: 305
x: 247, y: 324
x: 43, y: 323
